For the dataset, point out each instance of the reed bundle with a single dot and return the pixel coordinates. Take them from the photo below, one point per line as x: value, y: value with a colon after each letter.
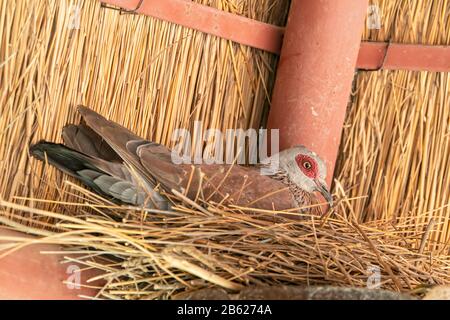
x: 396, y: 143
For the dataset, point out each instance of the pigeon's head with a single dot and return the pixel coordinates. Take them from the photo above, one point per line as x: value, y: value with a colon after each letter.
x: 306, y: 169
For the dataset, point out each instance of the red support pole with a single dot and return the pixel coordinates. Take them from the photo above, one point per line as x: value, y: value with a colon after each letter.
x: 28, y: 274
x: 315, y: 74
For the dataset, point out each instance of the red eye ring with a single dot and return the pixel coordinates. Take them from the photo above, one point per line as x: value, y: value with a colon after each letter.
x: 307, y: 165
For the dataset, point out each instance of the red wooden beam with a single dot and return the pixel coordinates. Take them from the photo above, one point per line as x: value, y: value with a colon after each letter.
x: 29, y: 274
x: 380, y: 55
x: 372, y: 55
x: 203, y: 18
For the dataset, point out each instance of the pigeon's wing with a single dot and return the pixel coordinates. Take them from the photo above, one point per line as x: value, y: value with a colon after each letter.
x: 85, y: 140
x: 151, y: 159
x: 110, y: 179
x: 157, y: 160
x: 117, y: 136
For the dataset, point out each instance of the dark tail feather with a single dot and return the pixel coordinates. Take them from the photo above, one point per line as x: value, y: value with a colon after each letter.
x: 67, y: 160
x: 88, y: 170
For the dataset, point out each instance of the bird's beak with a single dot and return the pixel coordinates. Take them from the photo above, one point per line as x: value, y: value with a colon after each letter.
x: 321, y: 186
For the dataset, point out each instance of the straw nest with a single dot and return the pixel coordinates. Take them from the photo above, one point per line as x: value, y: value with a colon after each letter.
x: 149, y: 254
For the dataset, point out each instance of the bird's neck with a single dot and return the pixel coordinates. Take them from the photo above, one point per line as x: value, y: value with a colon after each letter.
x: 302, y: 197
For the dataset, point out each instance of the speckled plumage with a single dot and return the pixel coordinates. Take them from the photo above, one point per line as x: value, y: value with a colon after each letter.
x: 302, y: 198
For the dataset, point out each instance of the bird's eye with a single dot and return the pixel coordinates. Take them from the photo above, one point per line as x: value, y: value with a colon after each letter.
x: 307, y: 165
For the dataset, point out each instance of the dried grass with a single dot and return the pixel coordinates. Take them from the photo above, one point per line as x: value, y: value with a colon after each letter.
x: 154, y: 254
x: 396, y: 142
x: 152, y: 77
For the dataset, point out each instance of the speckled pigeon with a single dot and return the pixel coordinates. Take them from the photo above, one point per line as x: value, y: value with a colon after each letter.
x: 123, y: 167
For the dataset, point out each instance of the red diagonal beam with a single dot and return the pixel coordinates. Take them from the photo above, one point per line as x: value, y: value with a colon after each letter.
x: 219, y: 23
